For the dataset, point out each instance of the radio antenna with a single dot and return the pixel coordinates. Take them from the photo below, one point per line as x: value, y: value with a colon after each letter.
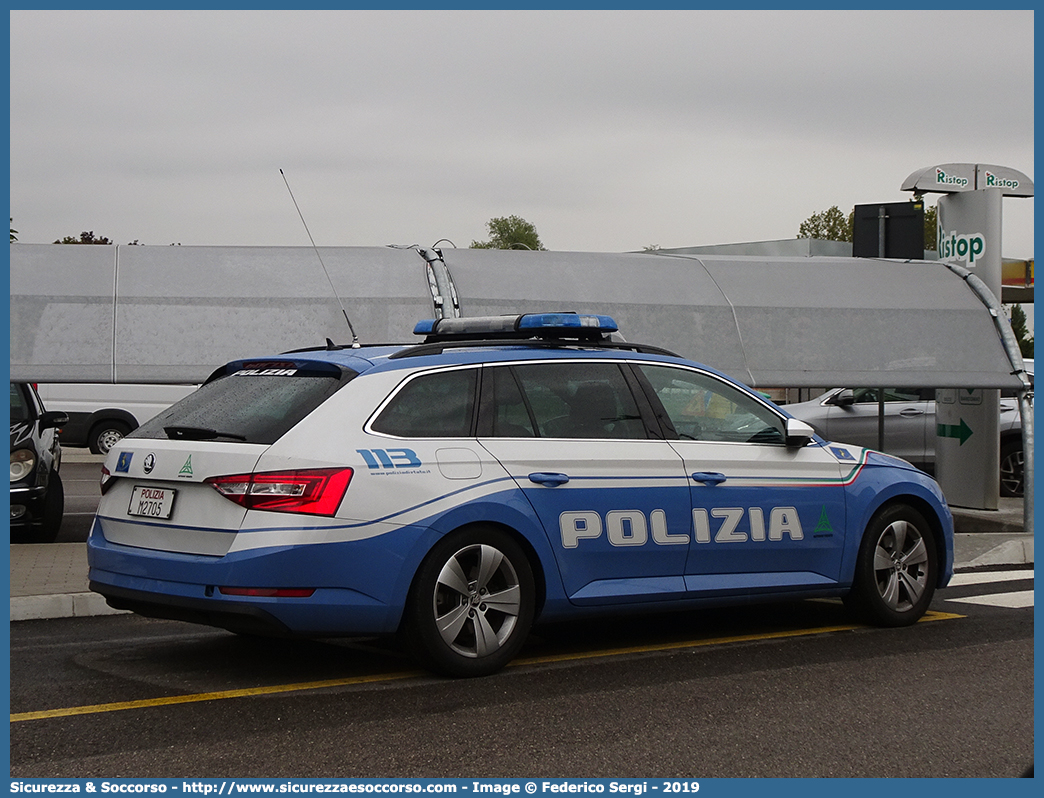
x: 355, y: 338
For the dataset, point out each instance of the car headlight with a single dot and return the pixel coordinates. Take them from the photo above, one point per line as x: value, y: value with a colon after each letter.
x: 23, y: 461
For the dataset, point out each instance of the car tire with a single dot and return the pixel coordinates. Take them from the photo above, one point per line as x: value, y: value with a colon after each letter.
x: 106, y: 434
x: 471, y: 604
x: 1011, y: 469
x: 53, y: 509
x: 897, y: 568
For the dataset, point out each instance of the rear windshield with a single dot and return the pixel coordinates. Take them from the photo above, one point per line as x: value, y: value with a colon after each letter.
x: 248, y: 405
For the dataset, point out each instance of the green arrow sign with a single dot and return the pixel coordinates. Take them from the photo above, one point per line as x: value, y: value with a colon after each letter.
x: 960, y: 431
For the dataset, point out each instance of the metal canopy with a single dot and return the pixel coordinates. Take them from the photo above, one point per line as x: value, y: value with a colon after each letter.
x: 770, y: 322
x: 172, y: 314
x: 950, y: 178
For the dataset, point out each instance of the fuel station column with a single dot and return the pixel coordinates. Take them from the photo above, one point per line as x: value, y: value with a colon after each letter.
x: 967, y: 430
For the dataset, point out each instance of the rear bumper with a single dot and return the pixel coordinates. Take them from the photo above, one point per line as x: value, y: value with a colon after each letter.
x: 237, y: 618
x: 329, y: 612
x: 349, y: 598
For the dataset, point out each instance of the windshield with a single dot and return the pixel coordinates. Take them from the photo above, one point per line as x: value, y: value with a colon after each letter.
x: 19, y: 407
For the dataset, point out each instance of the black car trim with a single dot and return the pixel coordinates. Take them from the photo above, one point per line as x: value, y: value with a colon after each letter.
x: 240, y: 618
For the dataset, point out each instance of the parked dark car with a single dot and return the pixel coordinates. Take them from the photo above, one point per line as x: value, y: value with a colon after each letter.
x: 37, y: 496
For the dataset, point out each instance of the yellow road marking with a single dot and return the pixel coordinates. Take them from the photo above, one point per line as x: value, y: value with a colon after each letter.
x: 714, y: 641
x: 196, y: 698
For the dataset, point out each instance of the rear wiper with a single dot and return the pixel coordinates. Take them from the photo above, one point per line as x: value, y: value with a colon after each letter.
x: 199, y: 434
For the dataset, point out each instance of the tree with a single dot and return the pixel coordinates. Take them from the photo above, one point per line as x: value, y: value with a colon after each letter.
x: 14, y: 233
x: 509, y: 232
x: 1021, y: 330
x: 831, y: 225
x: 828, y: 225
x: 85, y: 238
x: 931, y: 228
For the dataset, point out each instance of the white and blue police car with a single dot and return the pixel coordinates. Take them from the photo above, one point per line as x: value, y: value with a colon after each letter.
x: 505, y: 470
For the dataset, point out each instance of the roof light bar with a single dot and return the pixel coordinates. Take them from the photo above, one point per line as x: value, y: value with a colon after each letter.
x: 527, y: 325
x: 566, y: 321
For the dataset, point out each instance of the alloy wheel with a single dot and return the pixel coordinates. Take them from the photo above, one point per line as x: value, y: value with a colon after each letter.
x: 477, y: 600
x: 901, y: 565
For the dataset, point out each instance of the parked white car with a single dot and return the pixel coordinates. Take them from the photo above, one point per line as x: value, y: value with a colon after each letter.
x: 100, y: 414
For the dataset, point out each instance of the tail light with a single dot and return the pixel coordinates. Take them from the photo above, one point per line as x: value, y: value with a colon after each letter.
x: 313, y: 491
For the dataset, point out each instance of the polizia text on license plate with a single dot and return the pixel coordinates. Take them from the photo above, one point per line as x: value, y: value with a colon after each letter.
x: 151, y: 502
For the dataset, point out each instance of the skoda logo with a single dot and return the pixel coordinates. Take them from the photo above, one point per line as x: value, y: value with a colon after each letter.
x: 149, y: 464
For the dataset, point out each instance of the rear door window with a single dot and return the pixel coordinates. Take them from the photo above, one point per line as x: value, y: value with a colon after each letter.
x: 258, y: 403
x: 579, y: 400
x: 511, y: 416
x: 872, y: 395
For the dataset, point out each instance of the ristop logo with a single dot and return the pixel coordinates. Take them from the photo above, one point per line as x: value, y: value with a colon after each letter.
x: 964, y: 247
x: 995, y: 181
x: 950, y: 180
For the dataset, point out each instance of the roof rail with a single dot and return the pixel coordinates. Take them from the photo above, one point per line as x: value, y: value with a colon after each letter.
x: 337, y: 347
x: 438, y: 347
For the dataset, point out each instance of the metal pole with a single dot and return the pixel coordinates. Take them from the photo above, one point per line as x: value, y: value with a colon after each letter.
x: 1026, y: 411
x: 881, y: 216
x: 880, y: 418
x: 1011, y: 348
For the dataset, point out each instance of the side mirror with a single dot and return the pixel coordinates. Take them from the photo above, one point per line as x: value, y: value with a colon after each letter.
x: 845, y: 398
x: 798, y: 433
x: 52, y: 419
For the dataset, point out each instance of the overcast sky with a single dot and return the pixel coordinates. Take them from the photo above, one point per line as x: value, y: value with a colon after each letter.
x: 608, y: 130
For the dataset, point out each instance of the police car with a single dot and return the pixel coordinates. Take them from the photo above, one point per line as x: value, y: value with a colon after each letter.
x: 505, y: 470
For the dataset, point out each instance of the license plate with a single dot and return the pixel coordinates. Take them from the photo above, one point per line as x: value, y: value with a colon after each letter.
x: 151, y: 502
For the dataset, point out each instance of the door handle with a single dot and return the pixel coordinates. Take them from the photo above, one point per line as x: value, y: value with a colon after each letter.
x: 709, y: 477
x: 548, y: 480
x: 910, y: 412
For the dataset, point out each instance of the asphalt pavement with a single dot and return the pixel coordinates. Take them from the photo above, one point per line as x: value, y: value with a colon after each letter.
x: 50, y: 580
